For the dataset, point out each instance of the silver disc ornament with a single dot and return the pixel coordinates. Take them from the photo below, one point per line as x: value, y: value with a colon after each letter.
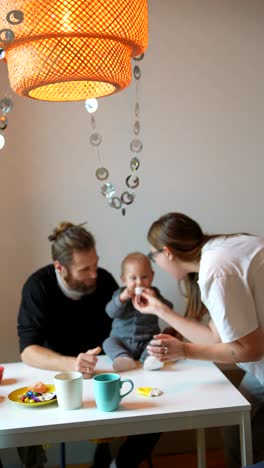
x: 6, y: 105
x: 137, y: 72
x: 132, y: 181
x: 108, y: 190
x: 102, y: 173
x: 136, y: 127
x: 91, y: 105
x: 139, y: 57
x: 127, y: 198
x: 115, y: 202
x: 95, y: 139
x: 6, y: 35
x: 3, y: 122
x: 136, y: 145
x: 134, y: 164
x: 15, y: 17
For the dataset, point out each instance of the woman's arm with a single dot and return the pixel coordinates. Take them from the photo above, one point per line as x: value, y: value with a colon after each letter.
x: 189, y: 328
x: 250, y: 348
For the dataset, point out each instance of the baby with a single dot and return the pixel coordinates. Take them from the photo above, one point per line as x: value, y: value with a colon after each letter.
x: 131, y: 330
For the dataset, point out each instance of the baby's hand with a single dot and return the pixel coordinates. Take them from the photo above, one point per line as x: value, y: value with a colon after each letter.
x: 126, y: 294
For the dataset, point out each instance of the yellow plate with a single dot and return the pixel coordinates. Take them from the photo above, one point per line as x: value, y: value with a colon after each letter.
x: 14, y: 397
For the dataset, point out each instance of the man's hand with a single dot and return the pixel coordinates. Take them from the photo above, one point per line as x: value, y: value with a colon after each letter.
x: 86, y: 362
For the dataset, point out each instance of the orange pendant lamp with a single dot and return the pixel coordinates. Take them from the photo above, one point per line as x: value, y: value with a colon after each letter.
x: 71, y: 50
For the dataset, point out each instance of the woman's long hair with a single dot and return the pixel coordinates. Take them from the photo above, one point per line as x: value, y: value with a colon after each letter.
x: 185, y: 239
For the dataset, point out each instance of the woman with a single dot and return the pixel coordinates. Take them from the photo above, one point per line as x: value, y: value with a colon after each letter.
x: 225, y: 275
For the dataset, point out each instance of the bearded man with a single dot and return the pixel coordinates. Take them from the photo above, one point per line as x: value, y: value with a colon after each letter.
x: 62, y: 324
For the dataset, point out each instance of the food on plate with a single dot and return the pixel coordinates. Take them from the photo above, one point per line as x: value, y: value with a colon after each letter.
x: 36, y: 393
x: 38, y: 387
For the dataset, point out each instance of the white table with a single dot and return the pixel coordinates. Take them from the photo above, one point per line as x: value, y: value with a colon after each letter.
x: 196, y: 395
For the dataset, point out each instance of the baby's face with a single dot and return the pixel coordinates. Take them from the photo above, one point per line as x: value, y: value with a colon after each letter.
x: 137, y: 274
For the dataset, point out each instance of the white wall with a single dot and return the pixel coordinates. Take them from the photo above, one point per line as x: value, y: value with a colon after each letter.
x: 202, y: 128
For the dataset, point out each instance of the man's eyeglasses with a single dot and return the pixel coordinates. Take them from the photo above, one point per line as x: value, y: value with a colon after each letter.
x: 152, y: 255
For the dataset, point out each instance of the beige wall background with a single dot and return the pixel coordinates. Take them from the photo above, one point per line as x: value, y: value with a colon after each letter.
x: 202, y: 128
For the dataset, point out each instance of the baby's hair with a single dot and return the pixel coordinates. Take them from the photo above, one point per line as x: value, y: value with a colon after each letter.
x: 67, y: 238
x: 137, y: 257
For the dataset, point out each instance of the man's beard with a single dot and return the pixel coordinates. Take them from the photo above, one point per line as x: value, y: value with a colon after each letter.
x: 79, y: 286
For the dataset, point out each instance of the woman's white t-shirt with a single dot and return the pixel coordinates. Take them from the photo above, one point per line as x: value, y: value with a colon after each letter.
x: 231, y: 281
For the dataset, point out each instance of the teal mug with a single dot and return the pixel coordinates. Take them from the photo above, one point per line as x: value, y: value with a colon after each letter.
x: 107, y: 389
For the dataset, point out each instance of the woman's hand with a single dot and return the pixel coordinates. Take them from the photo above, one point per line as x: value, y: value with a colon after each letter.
x: 129, y: 293
x: 166, y: 348
x: 147, y: 303
x: 149, y: 291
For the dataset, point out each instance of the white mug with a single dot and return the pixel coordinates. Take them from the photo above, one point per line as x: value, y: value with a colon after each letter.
x: 69, y: 388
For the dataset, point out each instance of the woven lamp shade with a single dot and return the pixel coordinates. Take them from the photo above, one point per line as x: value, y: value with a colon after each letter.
x: 71, y: 50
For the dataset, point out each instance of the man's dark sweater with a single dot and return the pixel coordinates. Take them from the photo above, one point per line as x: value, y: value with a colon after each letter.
x: 48, y: 318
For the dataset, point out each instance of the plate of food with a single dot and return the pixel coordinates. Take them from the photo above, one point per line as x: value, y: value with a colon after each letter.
x: 38, y: 394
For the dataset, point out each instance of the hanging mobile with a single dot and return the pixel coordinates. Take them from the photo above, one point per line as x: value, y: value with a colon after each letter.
x: 108, y: 190
x: 13, y: 17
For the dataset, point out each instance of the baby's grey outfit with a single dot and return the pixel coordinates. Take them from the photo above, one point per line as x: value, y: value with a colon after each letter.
x: 131, y: 330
